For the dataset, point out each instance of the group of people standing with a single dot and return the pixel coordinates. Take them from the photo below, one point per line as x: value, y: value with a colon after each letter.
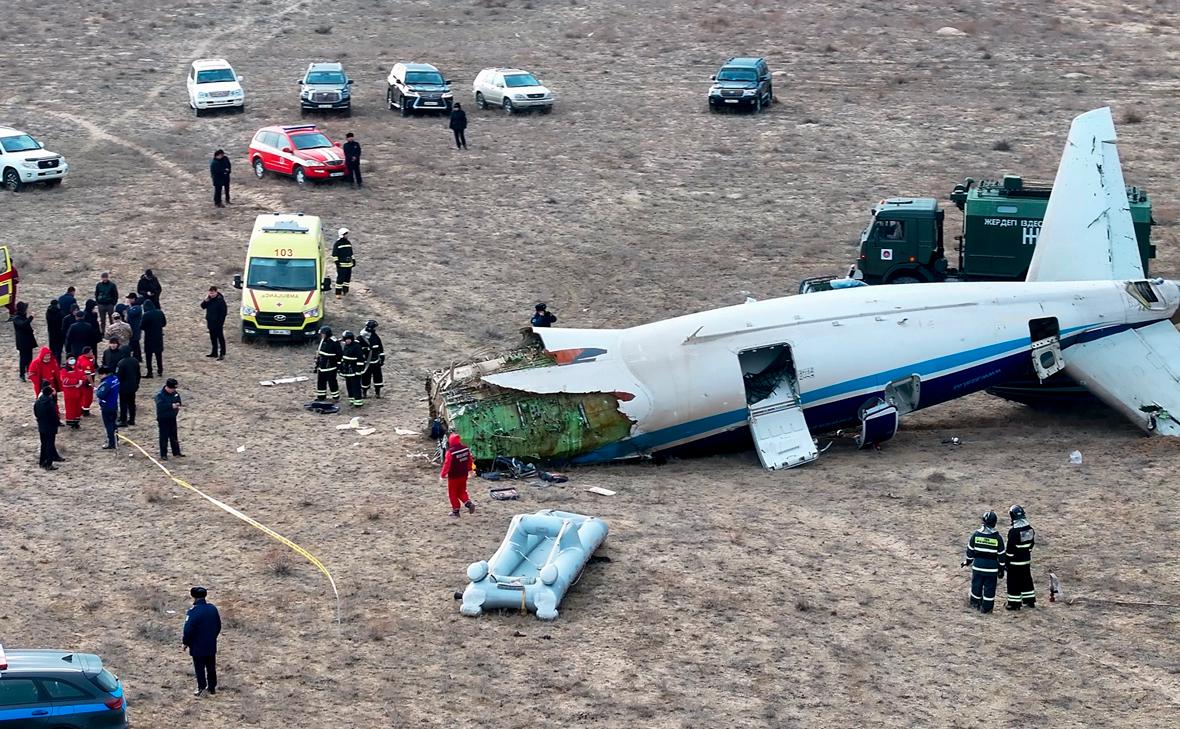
x: 991, y: 556
x: 359, y: 359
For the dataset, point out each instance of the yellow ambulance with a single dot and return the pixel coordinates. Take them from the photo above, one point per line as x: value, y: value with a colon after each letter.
x: 284, y: 282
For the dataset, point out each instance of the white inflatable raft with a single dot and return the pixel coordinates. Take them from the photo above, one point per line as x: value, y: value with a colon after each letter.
x: 536, y: 563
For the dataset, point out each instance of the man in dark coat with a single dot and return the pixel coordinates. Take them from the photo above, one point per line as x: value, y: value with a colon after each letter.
x: 215, y: 311
x: 26, y: 340
x: 219, y: 168
x: 54, y: 317
x: 48, y: 421
x: 67, y: 300
x: 167, y: 406
x: 80, y: 335
x: 152, y: 326
x: 542, y: 317
x: 149, y: 288
x: 133, y: 314
x: 106, y: 295
x: 345, y: 261
x: 90, y: 314
x: 352, y: 159
x: 128, y: 372
x: 202, y: 625
x: 459, y: 126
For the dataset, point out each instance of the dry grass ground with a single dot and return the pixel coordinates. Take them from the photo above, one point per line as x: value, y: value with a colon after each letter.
x: 826, y: 596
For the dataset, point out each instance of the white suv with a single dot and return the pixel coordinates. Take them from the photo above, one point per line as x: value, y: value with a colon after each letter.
x: 512, y: 90
x: 212, y: 84
x: 23, y: 161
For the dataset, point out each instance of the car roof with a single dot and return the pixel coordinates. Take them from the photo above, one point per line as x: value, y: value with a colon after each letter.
x: 36, y: 659
x: 744, y: 61
x: 505, y: 70
x: 204, y: 63
x: 417, y: 67
x: 10, y: 130
x: 325, y: 66
x: 291, y: 129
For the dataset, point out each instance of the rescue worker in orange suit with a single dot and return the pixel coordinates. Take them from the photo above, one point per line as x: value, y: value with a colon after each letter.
x: 1021, y: 539
x: 327, y: 359
x: 45, y: 367
x: 73, y: 380
x: 456, y: 466
x: 86, y: 364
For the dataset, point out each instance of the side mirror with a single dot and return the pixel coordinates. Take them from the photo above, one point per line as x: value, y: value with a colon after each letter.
x: 327, y: 284
x: 350, y: 82
x: 287, y: 150
x: 712, y: 78
x: 237, y: 280
x: 448, y: 82
x: 298, y: 82
x: 240, y: 79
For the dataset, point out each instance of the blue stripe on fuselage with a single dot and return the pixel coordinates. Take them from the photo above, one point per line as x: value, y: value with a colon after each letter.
x: 984, y: 370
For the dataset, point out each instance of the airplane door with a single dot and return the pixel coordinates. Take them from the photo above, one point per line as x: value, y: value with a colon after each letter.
x: 7, y: 281
x: 1046, y: 347
x: 776, y: 418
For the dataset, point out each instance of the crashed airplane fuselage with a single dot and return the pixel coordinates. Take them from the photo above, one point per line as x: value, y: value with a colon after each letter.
x: 792, y: 367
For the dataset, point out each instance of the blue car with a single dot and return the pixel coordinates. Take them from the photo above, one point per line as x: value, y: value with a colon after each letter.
x: 59, y: 690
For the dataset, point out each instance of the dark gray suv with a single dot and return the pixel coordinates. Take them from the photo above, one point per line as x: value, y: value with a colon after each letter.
x: 58, y: 690
x: 742, y: 83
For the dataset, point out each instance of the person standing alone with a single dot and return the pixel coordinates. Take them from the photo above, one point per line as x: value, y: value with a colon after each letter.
x: 26, y: 340
x: 456, y: 467
x: 106, y: 295
x: 459, y: 126
x: 202, y: 625
x: 215, y: 311
x: 219, y: 168
x: 342, y: 255
x: 167, y: 406
x: 352, y: 159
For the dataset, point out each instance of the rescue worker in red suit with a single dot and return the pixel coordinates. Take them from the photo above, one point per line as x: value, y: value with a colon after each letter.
x: 456, y: 466
x: 73, y: 381
x: 86, y: 365
x: 45, y: 367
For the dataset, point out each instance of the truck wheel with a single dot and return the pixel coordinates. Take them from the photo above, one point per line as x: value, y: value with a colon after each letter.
x: 480, y: 101
x: 259, y: 169
x: 12, y: 181
x: 904, y: 280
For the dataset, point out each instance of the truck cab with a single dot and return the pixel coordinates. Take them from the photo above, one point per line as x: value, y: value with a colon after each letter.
x: 284, y: 283
x: 904, y: 242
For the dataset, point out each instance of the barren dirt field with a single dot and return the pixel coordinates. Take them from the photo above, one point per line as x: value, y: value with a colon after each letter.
x: 827, y: 596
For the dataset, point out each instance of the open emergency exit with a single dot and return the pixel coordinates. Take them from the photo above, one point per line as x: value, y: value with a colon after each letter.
x: 777, y: 425
x: 1045, y: 335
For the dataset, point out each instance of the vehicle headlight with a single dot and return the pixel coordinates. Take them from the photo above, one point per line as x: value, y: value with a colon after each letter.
x: 518, y: 97
x: 249, y: 310
x: 410, y: 92
x: 202, y: 95
x: 237, y: 92
x: 715, y: 90
x: 28, y: 164
x: 311, y: 313
x: 345, y: 91
x: 447, y: 95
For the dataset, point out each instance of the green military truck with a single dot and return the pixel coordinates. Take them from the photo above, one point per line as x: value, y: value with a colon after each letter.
x: 904, y: 242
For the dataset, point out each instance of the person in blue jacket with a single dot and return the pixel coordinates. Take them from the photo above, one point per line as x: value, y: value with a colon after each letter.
x: 108, y: 402
x: 202, y: 625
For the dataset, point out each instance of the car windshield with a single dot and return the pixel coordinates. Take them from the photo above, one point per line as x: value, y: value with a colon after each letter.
x: 310, y: 141
x: 424, y: 77
x: 333, y: 78
x: 520, y: 79
x: 737, y: 74
x: 106, y: 681
x: 215, y: 76
x: 282, y: 274
x: 19, y: 143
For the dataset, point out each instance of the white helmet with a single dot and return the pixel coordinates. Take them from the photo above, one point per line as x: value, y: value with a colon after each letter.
x: 342, y: 232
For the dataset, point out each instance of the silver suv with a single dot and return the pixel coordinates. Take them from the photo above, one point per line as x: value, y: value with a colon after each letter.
x: 418, y: 87
x: 325, y: 87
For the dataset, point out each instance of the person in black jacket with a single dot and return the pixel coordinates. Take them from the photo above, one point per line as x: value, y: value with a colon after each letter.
x: 985, y: 554
x: 167, y: 406
x: 373, y: 375
x: 106, y: 295
x: 459, y: 126
x: 133, y: 314
x: 149, y: 288
x: 345, y: 261
x: 48, y: 421
x: 353, y: 361
x: 542, y: 317
x: 128, y: 373
x: 68, y: 300
x: 80, y: 335
x: 219, y: 168
x: 90, y: 313
x: 152, y: 326
x: 352, y: 159
x: 54, y: 317
x: 327, y: 359
x: 202, y: 625
x: 26, y: 340
x: 215, y: 311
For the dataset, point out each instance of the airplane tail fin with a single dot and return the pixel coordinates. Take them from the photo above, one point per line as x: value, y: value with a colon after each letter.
x: 1087, y: 233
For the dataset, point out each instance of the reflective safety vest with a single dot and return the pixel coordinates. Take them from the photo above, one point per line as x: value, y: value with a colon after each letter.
x: 1021, y: 538
x: 985, y: 550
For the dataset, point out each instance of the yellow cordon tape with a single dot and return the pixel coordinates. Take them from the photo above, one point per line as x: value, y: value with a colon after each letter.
x: 252, y: 522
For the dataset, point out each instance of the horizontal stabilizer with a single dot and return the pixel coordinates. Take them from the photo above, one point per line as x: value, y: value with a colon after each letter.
x: 1087, y: 233
x: 1134, y: 372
